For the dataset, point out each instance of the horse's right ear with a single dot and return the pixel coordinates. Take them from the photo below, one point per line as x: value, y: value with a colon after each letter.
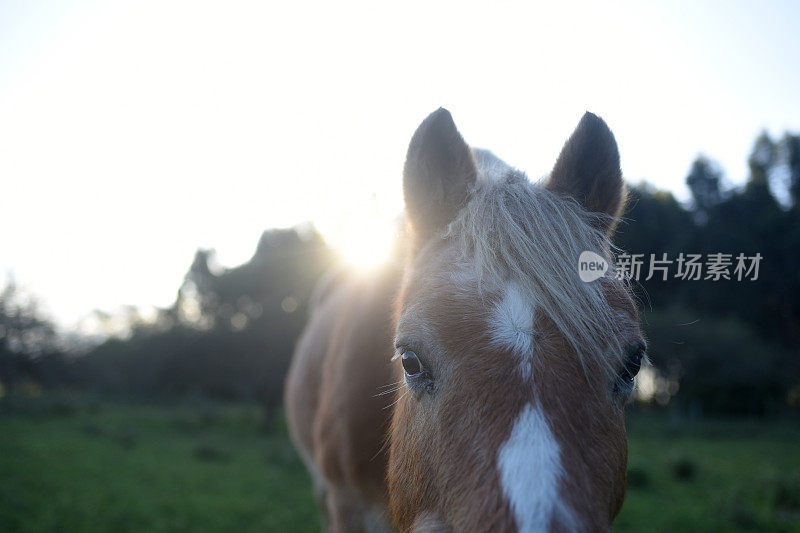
x: 438, y: 175
x: 588, y: 171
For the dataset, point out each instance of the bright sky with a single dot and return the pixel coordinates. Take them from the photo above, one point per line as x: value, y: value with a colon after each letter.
x: 133, y: 133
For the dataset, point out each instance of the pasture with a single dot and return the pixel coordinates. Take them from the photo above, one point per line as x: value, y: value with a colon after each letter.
x: 86, y: 465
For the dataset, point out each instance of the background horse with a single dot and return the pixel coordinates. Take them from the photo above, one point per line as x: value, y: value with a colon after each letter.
x: 511, y: 373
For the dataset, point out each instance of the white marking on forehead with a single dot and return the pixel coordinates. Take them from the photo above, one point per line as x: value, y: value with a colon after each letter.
x: 530, y: 471
x: 511, y: 326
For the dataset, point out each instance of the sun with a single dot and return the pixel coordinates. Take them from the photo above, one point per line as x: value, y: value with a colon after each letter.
x: 367, y: 247
x: 363, y: 237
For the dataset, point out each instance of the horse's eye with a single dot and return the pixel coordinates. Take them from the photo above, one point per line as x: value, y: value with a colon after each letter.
x: 411, y: 363
x: 633, y: 363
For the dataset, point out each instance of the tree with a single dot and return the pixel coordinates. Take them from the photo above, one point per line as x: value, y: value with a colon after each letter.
x: 230, y: 333
x: 761, y: 160
x: 29, y: 348
x: 704, y: 182
x: 791, y: 151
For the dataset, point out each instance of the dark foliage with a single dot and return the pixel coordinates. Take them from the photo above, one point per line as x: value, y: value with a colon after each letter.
x: 229, y: 335
x: 726, y: 346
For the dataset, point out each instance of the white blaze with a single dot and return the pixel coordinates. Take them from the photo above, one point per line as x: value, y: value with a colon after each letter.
x: 511, y: 326
x: 530, y: 471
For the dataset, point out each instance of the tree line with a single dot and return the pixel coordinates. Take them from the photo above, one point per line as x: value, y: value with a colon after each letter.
x: 719, y: 346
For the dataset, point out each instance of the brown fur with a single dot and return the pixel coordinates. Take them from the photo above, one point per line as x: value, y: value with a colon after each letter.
x: 336, y: 413
x: 443, y: 451
x: 438, y: 471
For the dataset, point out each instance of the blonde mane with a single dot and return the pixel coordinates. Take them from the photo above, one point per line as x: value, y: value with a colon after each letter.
x: 514, y: 230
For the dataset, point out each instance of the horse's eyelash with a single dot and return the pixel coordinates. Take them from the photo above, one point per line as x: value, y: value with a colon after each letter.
x: 405, y: 346
x: 402, y: 347
x: 399, y: 349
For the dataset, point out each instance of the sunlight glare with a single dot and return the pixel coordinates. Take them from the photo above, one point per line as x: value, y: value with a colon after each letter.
x: 364, y: 237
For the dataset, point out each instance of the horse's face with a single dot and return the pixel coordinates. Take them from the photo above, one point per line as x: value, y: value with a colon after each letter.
x: 510, y: 420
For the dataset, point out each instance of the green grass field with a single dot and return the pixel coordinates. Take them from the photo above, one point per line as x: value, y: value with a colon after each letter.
x: 88, y: 466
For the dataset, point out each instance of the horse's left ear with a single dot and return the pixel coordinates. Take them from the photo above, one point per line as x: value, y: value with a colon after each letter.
x: 439, y: 172
x: 588, y: 170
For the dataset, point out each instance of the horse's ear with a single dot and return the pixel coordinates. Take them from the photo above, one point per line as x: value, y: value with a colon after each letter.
x: 588, y: 170
x: 439, y: 172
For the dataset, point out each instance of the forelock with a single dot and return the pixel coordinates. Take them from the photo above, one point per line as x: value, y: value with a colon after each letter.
x: 517, y: 233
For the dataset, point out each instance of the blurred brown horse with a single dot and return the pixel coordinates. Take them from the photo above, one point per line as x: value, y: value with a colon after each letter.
x: 507, y: 374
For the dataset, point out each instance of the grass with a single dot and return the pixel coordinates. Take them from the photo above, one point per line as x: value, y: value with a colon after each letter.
x: 712, y: 476
x: 147, y: 468
x: 68, y: 465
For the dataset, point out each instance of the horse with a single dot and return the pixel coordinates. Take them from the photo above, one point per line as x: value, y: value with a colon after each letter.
x: 507, y: 374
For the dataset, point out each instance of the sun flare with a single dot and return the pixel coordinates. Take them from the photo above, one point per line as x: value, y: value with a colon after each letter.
x: 368, y: 248
x: 364, y: 237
